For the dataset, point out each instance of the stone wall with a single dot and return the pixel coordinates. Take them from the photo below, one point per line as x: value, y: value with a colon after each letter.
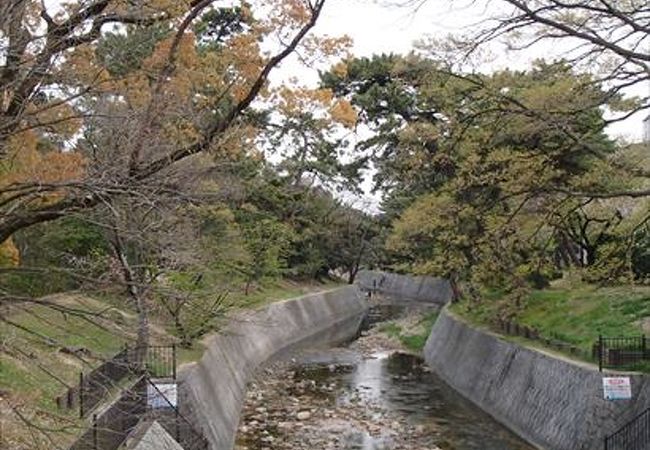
x: 213, y: 389
x: 423, y: 289
x: 553, y: 403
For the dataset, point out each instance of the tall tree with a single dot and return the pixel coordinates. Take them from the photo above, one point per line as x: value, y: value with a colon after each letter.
x: 519, y: 145
x: 610, y: 36
x: 178, y: 101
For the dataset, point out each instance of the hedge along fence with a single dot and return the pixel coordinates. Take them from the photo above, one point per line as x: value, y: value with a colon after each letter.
x: 511, y: 328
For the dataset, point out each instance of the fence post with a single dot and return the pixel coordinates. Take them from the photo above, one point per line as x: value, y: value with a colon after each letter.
x: 126, y: 355
x: 174, y: 361
x: 95, y: 447
x: 81, y: 395
x: 643, y: 347
x: 600, y: 352
x: 178, y: 431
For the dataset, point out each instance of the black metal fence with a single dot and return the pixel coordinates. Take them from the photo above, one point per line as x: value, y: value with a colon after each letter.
x: 512, y: 328
x: 109, y: 430
x: 633, y: 436
x: 159, y: 361
x: 622, y: 352
x: 94, y: 387
x: 177, y: 425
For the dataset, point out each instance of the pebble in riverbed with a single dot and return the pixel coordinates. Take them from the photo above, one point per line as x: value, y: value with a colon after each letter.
x: 288, y: 408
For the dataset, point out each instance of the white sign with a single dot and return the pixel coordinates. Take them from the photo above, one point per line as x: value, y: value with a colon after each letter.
x: 161, y: 395
x: 617, y: 388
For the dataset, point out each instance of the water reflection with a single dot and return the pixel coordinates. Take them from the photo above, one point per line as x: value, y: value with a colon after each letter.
x: 401, y: 383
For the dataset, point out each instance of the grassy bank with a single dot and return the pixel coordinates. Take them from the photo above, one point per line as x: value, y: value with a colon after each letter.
x: 412, y: 336
x: 43, y: 351
x: 576, y: 315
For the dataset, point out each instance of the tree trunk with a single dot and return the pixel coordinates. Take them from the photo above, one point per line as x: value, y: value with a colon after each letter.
x: 455, y: 289
x: 142, y: 340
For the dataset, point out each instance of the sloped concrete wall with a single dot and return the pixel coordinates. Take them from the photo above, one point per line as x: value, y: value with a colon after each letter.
x: 151, y: 436
x: 423, y: 289
x: 552, y: 403
x: 213, y: 389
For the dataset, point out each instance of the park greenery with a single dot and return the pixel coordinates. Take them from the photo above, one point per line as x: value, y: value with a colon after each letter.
x: 148, y: 166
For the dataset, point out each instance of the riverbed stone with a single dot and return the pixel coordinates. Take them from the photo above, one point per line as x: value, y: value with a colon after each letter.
x: 214, y: 387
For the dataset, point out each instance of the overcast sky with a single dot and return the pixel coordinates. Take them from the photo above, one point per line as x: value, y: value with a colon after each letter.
x: 376, y: 28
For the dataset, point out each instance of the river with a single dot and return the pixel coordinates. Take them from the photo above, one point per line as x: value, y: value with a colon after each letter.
x: 367, y: 395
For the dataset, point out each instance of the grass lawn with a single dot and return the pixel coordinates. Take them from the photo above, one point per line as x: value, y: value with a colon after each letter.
x: 34, y: 370
x: 576, y: 315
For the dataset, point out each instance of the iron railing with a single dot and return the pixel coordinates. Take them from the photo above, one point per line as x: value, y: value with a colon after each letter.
x: 622, y: 352
x: 109, y: 430
x: 553, y: 341
x: 176, y: 424
x: 159, y: 361
x: 635, y: 435
x: 93, y: 388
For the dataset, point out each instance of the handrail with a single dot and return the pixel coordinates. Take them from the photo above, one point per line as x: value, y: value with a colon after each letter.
x: 634, y: 435
x: 196, y: 439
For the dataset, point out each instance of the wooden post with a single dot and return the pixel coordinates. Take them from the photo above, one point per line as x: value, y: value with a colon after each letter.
x: 95, y: 447
x: 81, y: 395
x: 174, y: 361
x: 70, y: 398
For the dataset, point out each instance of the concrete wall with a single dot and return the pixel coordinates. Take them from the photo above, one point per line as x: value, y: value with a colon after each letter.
x: 552, y: 403
x: 213, y: 389
x: 424, y: 289
x: 151, y: 436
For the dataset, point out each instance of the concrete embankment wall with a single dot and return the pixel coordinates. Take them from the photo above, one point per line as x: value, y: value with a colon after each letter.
x: 213, y: 389
x: 552, y: 403
x: 423, y: 289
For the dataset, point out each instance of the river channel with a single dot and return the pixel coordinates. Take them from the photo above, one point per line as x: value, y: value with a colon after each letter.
x: 366, y: 395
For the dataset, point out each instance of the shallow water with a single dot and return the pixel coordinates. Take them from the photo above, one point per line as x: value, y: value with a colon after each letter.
x: 401, y: 383
x: 369, y: 400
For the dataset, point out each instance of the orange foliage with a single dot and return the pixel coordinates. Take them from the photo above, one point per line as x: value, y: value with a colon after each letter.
x: 320, y: 102
x: 9, y: 255
x: 296, y: 101
x: 344, y: 113
x: 81, y: 68
x: 340, y: 69
x: 27, y: 164
x: 244, y: 56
